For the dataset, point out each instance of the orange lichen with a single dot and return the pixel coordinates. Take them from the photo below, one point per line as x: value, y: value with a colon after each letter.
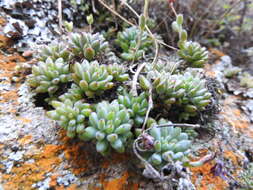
x: 208, y: 71
x: 26, y: 174
x: 2, y: 21
x: 25, y: 140
x: 4, y: 41
x: 8, y: 64
x: 207, y: 179
x: 235, y: 118
x: 53, y: 181
x: 24, y: 120
x: 216, y: 52
x: 235, y: 158
x: 9, y: 96
x: 117, y: 183
x: 75, y: 154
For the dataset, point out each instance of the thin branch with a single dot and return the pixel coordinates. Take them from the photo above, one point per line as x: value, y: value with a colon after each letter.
x: 135, y: 79
x: 173, y: 9
x: 150, y: 106
x: 178, y: 125
x: 60, y: 14
x: 150, y: 33
x: 218, y: 20
x: 115, y: 12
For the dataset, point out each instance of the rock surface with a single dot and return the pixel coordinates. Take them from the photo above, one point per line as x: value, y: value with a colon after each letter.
x: 36, y: 154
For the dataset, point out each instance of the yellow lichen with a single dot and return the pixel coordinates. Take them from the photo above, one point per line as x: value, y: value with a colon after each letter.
x: 25, y: 140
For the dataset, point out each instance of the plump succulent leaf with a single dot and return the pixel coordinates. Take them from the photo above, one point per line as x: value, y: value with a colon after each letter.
x: 74, y: 93
x: 55, y: 51
x: 119, y: 72
x: 46, y: 76
x: 110, y: 126
x: 127, y: 40
x: 88, y: 45
x: 191, y: 52
x: 186, y: 91
x: 70, y: 115
x: 170, y: 144
x: 137, y: 106
x: 92, y: 78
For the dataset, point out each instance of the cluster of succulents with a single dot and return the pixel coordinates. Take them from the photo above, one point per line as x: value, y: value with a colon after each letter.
x: 246, y: 80
x: 118, y: 72
x: 55, y: 51
x: 46, y: 76
x: 74, y: 93
x: 191, y: 52
x: 169, y: 144
x: 110, y: 125
x: 232, y: 71
x: 137, y: 106
x: 88, y: 45
x: 114, y: 124
x: 186, y: 91
x: 92, y: 78
x: 70, y: 115
x: 128, y: 42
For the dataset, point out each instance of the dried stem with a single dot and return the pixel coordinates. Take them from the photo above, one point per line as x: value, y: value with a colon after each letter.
x: 150, y: 106
x: 60, y: 14
x: 218, y: 20
x: 173, y: 9
x: 115, y: 12
x: 135, y: 79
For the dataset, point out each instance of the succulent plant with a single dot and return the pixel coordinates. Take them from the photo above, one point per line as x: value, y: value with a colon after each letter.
x: 110, y: 125
x: 192, y: 134
x: 46, y: 76
x: 128, y: 40
x: 92, y: 78
x: 191, y: 52
x: 70, y: 115
x: 246, y: 80
x: 118, y: 72
x: 232, y: 71
x: 55, y: 51
x: 74, y: 93
x: 169, y: 144
x: 186, y: 91
x: 88, y: 45
x: 137, y: 106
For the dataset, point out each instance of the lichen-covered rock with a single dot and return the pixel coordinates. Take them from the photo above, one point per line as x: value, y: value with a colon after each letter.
x: 88, y: 45
x: 128, y: 42
x: 110, y: 125
x: 47, y: 76
x: 92, y: 78
x: 70, y: 115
